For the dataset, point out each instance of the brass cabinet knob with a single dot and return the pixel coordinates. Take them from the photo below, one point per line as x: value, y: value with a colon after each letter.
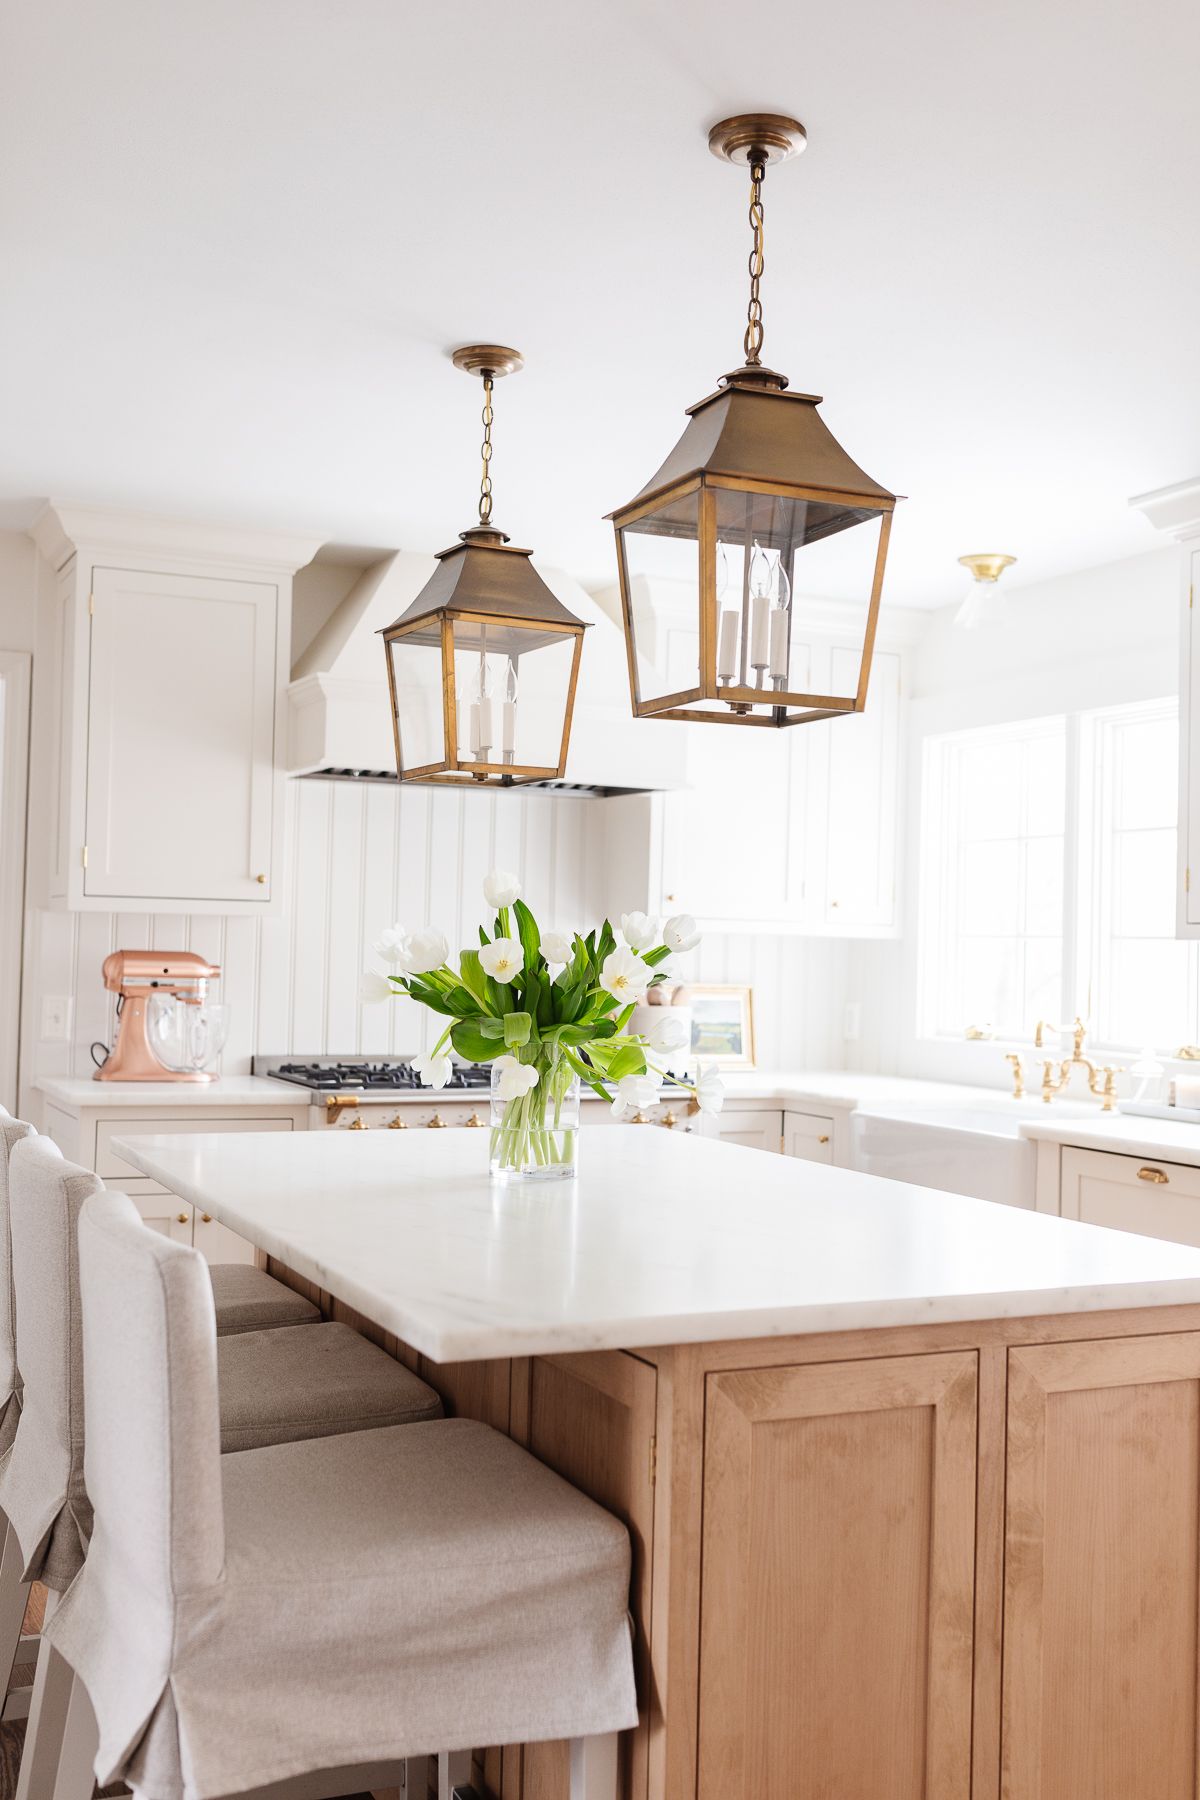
x: 824, y: 1138
x: 437, y: 1123
x: 261, y: 880
x: 206, y: 1218
x: 670, y: 1121
x: 397, y: 1124
x: 182, y: 1217
x: 357, y: 1125
x: 1158, y: 1176
x: 474, y: 1119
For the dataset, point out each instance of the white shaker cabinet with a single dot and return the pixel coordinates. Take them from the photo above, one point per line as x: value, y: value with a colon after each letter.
x: 1132, y: 1193
x: 808, y: 1136
x: 792, y: 830
x: 167, y: 652
x: 1176, y: 511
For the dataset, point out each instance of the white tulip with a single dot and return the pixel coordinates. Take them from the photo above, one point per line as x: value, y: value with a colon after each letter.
x: 374, y: 987
x: 668, y: 1031
x: 516, y: 1078
x: 503, y: 960
x: 556, y: 948
x: 710, y: 1092
x: 625, y: 976
x: 427, y: 950
x: 501, y: 888
x: 435, y: 1071
x: 638, y: 930
x: 679, y: 932
x: 635, y: 1092
x: 392, y: 944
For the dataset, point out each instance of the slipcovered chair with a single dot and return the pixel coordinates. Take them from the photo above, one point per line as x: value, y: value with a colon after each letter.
x: 276, y: 1385
x: 14, y: 1589
x: 302, y: 1618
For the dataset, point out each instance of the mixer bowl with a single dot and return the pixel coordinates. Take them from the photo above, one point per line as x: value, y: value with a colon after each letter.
x: 186, y: 1038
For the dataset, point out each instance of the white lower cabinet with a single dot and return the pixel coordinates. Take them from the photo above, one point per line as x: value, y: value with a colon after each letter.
x: 759, y: 1128
x: 1129, y: 1193
x: 808, y: 1135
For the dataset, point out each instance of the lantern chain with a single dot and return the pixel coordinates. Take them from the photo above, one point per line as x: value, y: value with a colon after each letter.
x: 754, y: 312
x: 485, y: 482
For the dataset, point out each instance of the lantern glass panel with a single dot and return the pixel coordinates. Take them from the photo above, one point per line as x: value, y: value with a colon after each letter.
x: 416, y: 663
x: 781, y: 564
x: 511, y: 689
x: 660, y: 556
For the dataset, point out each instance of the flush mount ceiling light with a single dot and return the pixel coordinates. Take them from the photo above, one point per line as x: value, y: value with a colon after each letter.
x: 756, y: 514
x: 482, y: 666
x: 986, y: 570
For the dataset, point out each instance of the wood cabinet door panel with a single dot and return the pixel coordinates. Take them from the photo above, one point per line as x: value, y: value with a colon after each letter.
x: 592, y: 1418
x: 1101, y: 1571
x: 838, y: 1581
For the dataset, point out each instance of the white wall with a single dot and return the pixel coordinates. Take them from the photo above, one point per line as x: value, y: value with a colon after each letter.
x: 1094, y: 638
x: 359, y: 856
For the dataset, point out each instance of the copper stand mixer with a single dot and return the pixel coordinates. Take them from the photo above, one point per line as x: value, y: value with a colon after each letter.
x: 137, y: 975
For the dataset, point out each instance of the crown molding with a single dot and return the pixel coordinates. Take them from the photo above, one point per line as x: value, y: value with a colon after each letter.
x: 63, y: 527
x: 1174, y: 509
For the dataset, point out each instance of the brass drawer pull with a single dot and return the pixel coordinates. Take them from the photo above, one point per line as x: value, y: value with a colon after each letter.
x: 1155, y: 1175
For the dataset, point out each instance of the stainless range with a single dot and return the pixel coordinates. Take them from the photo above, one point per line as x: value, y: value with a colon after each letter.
x: 362, y: 1095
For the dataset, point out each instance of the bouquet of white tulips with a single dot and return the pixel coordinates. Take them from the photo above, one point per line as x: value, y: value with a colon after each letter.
x: 545, y: 1010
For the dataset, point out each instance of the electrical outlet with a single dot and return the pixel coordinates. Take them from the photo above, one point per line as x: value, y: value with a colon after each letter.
x: 56, y: 1018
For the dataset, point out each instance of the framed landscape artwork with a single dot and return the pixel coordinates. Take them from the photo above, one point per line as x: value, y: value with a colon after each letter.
x: 722, y: 1026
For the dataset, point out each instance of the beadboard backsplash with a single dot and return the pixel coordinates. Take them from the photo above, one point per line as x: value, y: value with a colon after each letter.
x: 361, y: 855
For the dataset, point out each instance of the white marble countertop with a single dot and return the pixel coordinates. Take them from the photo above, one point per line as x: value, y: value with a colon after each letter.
x: 661, y: 1239
x: 74, y: 1092
x: 1127, y: 1134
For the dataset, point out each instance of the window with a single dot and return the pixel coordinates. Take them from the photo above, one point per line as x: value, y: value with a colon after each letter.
x: 1048, y: 880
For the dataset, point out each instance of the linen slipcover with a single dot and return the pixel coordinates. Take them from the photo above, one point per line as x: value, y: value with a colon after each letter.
x: 11, y: 1132
x: 42, y: 1489
x: 346, y: 1600
x: 248, y: 1299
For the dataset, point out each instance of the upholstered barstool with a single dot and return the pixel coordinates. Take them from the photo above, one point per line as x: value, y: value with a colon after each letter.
x: 289, y: 1382
x: 312, y: 1613
x: 14, y: 1589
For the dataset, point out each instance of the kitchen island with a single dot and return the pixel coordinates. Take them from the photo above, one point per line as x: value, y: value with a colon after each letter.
x: 912, y: 1480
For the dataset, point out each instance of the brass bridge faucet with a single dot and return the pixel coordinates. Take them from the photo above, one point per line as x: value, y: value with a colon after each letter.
x: 1101, y: 1082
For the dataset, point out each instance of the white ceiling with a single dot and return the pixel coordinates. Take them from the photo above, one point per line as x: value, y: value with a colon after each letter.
x: 237, y: 238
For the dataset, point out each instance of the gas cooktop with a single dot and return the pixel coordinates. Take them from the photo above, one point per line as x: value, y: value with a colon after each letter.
x: 329, y: 1075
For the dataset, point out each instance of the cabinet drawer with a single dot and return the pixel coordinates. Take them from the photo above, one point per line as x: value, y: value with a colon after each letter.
x: 809, y: 1136
x: 110, y: 1166
x: 758, y: 1129
x: 1132, y: 1193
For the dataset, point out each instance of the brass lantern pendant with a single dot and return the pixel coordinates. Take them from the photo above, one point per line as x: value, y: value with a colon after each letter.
x: 482, y: 666
x: 751, y: 564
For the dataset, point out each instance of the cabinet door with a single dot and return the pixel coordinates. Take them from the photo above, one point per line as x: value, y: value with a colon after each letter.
x: 758, y: 1130
x: 861, y: 799
x: 838, y: 1581
x: 1101, y: 1571
x: 162, y: 1212
x: 218, y: 1244
x: 1188, y: 917
x: 181, y: 705
x: 808, y: 1135
x: 1127, y: 1193
x: 592, y: 1419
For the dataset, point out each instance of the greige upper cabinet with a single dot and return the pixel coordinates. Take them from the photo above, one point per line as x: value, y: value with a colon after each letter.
x: 1176, y: 511
x: 168, y: 650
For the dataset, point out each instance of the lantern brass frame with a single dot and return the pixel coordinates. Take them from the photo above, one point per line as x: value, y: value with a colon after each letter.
x: 752, y: 436
x: 476, y: 591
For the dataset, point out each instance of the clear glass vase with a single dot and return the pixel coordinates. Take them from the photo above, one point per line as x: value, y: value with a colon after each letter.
x: 535, y: 1135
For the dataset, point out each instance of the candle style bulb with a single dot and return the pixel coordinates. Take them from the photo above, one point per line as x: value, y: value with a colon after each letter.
x: 779, y: 624
x: 760, y: 603
x: 484, y: 685
x: 508, y: 714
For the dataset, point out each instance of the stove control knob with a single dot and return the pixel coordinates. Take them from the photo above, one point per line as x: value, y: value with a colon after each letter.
x: 669, y: 1120
x: 437, y: 1123
x: 397, y: 1124
x: 357, y: 1125
x: 474, y: 1119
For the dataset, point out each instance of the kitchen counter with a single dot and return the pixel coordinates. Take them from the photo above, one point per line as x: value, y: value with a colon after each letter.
x: 74, y: 1092
x: 1124, y: 1133
x: 875, y: 1445
x: 660, y: 1240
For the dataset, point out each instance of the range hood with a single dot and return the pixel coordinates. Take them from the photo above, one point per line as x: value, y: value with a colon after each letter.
x: 339, y: 716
